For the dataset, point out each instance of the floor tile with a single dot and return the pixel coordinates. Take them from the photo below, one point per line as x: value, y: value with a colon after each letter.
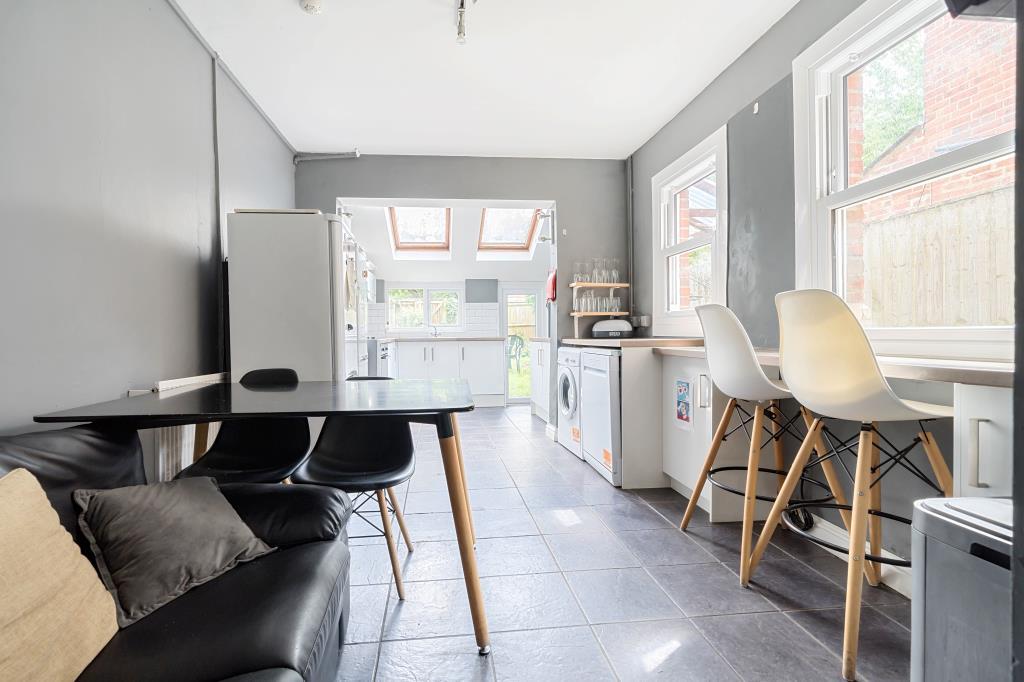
x: 883, y: 652
x: 603, y: 492
x: 660, y: 495
x: 769, y: 647
x: 432, y: 561
x: 358, y: 662
x: 667, y: 649
x: 796, y: 546
x: 503, y: 523
x: 367, y: 613
x: 585, y: 551
x: 708, y: 589
x: 551, y: 496
x: 630, y: 516
x: 542, y: 475
x: 663, y: 547
x: 521, y: 461
x: 723, y: 541
x: 525, y: 602
x: 897, y: 612
x: 371, y: 565
x: 429, y: 527
x: 673, y: 512
x: 555, y: 655
x: 790, y: 584
x: 513, y: 556
x: 430, y: 609
x: 476, y: 479
x: 621, y: 594
x: 439, y: 500
x: 835, y: 569
x: 429, y: 660
x: 557, y: 520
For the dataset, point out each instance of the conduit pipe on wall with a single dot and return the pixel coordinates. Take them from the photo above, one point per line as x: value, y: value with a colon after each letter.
x: 629, y: 232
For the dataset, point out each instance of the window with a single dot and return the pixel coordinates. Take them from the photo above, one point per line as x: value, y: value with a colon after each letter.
x: 689, y: 199
x: 905, y: 173
x: 417, y: 308
x: 507, y: 229
x: 420, y: 228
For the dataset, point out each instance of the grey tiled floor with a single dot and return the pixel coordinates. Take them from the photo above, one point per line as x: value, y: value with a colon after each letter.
x: 583, y: 581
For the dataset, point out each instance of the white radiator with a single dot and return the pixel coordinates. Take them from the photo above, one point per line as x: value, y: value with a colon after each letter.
x: 175, y: 447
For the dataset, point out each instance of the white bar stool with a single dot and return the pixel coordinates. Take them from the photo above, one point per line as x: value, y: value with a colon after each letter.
x: 831, y: 369
x: 734, y: 369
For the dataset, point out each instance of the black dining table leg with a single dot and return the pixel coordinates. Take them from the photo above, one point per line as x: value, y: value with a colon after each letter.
x: 450, y: 456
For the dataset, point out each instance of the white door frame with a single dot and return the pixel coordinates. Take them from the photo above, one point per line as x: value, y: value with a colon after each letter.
x: 537, y: 290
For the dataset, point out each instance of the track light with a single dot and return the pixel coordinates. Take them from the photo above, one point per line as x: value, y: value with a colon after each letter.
x: 311, y: 6
x: 460, y: 35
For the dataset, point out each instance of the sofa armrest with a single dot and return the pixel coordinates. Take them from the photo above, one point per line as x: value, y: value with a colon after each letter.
x: 287, y: 515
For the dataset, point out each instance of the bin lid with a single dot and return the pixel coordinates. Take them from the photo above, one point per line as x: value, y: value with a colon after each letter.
x: 990, y: 516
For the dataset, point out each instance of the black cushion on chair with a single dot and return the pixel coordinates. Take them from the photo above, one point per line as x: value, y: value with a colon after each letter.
x: 264, y: 450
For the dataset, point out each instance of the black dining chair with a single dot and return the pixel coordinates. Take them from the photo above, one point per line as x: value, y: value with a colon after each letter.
x: 368, y: 457
x: 259, y: 450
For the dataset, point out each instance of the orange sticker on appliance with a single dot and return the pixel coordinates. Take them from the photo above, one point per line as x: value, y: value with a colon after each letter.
x: 607, y: 457
x: 576, y: 433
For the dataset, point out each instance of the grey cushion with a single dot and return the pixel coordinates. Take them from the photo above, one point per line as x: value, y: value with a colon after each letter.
x: 155, y: 542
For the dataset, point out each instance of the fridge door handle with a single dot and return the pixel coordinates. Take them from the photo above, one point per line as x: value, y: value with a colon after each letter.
x: 974, y: 454
x: 463, y: 353
x: 424, y: 353
x: 431, y: 354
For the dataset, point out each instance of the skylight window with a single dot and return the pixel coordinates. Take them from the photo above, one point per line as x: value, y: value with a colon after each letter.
x: 421, y: 229
x: 507, y: 229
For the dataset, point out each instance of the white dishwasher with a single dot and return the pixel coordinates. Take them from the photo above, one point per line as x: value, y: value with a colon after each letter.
x: 600, y: 411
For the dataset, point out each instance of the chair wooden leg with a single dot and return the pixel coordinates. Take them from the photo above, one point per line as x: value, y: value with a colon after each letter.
x: 462, y: 474
x: 873, y: 570
x: 938, y: 462
x: 709, y: 461
x: 855, y: 569
x: 750, y: 495
x: 385, y: 520
x: 788, y: 486
x: 401, y: 518
x: 777, y: 445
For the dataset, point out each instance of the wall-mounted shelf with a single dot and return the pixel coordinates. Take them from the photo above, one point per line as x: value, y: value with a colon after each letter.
x: 576, y: 318
x: 596, y: 285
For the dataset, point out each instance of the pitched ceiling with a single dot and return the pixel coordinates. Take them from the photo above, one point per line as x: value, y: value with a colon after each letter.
x: 537, y: 78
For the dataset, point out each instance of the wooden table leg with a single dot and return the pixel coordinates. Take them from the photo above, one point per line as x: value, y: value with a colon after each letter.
x: 463, y: 528
x: 462, y: 470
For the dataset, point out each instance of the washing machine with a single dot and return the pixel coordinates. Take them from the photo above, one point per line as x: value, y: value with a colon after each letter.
x: 569, y: 435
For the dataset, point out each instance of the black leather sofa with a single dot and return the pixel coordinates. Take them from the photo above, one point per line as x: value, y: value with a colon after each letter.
x: 280, y: 617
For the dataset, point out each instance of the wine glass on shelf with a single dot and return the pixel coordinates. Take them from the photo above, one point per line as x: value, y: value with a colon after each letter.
x: 616, y: 271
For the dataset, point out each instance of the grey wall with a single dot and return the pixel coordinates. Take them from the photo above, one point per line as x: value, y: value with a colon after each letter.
x: 107, y: 203
x: 761, y: 210
x: 256, y: 169
x: 764, y: 64
x: 590, y: 195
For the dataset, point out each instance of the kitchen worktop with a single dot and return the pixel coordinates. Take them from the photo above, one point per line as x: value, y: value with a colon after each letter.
x: 637, y: 342
x: 422, y: 339
x: 976, y: 372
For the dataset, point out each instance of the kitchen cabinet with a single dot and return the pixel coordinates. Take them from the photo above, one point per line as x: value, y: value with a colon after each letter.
x: 540, y: 379
x: 983, y: 447
x: 481, y: 363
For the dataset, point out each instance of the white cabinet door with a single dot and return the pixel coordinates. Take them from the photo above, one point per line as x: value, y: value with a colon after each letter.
x: 536, y: 378
x: 983, y: 450
x: 444, y: 359
x: 413, y: 359
x: 482, y: 365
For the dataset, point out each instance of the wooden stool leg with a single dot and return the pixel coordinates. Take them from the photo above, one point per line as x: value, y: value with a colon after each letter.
x: 750, y: 495
x: 788, y: 486
x: 777, y: 445
x: 829, y: 469
x: 874, y: 569
x: 462, y: 475
x: 709, y: 461
x: 401, y: 518
x: 938, y: 462
x: 385, y: 520
x: 855, y: 570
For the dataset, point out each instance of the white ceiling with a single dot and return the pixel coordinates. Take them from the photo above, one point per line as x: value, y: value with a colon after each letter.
x: 537, y: 78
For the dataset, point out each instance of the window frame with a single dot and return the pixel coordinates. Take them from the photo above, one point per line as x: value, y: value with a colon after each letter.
x: 398, y: 245
x: 527, y: 245
x: 821, y: 167
x: 710, y: 155
x: 429, y: 289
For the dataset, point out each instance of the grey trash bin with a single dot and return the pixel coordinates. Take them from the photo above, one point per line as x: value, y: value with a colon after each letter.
x: 961, y: 607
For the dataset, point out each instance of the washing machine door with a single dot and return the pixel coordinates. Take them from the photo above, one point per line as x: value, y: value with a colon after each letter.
x: 568, y: 395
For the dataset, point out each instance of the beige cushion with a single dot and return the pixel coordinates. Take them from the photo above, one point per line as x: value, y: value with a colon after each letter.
x: 55, y: 614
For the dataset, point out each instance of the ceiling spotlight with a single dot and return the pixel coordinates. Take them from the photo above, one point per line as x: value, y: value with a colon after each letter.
x: 312, y: 6
x: 460, y: 36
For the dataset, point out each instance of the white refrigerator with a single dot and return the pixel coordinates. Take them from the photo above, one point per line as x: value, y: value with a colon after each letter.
x: 295, y: 295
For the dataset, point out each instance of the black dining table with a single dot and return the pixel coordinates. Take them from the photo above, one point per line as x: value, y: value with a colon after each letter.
x: 435, y: 401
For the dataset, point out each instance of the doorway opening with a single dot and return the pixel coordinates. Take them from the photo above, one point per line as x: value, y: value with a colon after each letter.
x: 521, y: 316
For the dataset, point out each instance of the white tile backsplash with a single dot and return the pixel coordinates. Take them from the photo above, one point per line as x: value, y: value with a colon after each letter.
x: 479, y: 319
